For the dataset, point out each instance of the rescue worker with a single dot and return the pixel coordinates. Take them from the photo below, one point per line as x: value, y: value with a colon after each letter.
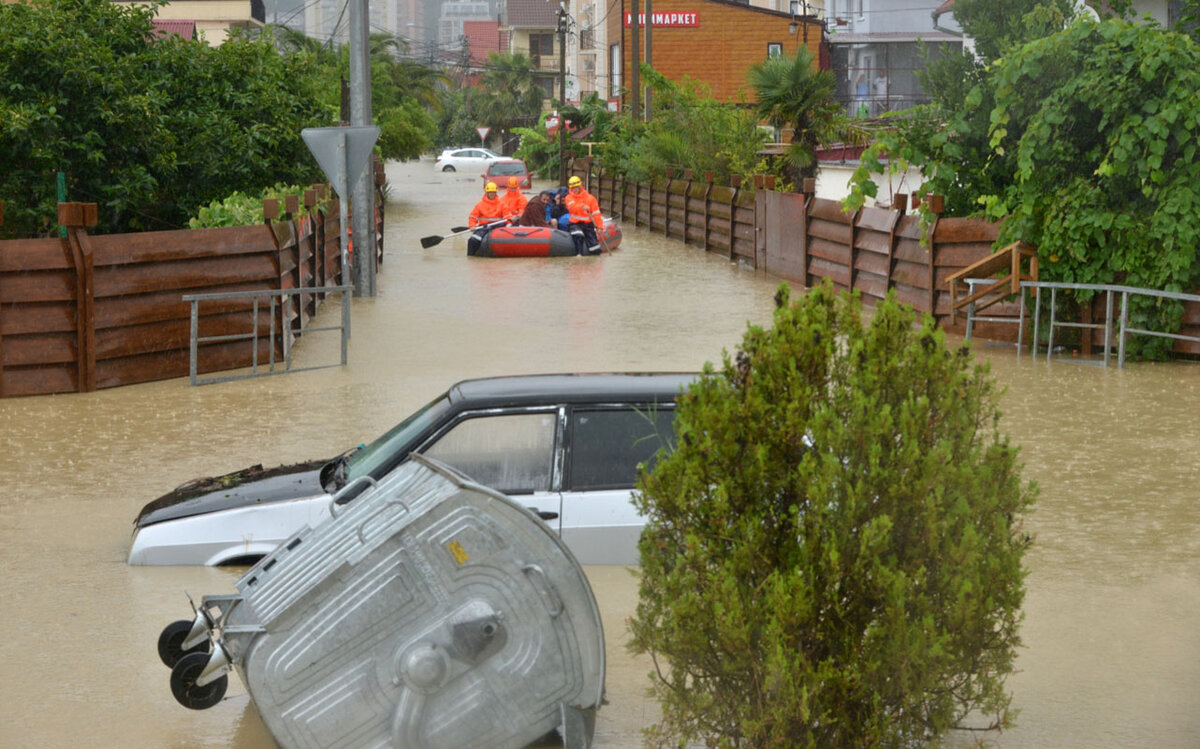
x: 537, y: 210
x: 512, y: 202
x: 585, y: 218
x: 486, y: 215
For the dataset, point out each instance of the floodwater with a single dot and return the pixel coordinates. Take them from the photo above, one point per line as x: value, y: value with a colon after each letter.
x: 1112, y: 630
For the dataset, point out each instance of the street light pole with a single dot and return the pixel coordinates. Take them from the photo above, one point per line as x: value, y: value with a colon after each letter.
x: 562, y: 93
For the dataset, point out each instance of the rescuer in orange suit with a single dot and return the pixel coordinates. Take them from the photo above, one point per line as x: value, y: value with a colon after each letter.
x: 585, y: 218
x: 486, y: 215
x: 512, y: 202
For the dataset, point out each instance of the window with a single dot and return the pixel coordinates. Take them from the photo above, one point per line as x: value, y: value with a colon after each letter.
x: 541, y: 45
x: 512, y: 453
x: 774, y: 49
x: 607, y: 445
x: 614, y: 70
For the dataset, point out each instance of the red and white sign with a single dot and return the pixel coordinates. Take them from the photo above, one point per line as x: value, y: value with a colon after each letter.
x: 483, y: 133
x: 667, y: 19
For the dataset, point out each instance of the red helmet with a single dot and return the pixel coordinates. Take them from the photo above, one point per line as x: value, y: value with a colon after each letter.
x: 514, y: 182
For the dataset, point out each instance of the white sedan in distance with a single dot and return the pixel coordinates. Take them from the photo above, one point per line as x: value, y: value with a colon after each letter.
x: 470, y: 160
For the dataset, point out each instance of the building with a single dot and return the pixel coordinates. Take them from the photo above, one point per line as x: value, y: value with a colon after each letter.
x: 532, y: 28
x: 713, y: 41
x: 214, y: 19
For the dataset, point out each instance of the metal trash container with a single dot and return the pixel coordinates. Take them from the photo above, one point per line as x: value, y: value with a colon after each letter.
x: 430, y: 612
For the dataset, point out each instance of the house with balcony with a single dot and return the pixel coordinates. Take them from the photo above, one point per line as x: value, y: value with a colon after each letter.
x: 213, y: 19
x: 532, y: 27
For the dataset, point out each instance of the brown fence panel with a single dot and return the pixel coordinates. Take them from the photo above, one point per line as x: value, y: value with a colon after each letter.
x: 102, y: 311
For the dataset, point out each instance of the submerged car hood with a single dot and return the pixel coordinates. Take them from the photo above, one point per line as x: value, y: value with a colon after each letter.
x: 244, y: 488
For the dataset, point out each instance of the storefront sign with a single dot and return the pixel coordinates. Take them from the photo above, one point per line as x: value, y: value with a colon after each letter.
x: 668, y: 19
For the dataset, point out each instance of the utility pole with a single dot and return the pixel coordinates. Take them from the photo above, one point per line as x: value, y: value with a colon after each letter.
x: 562, y: 92
x: 636, y: 55
x: 649, y: 56
x: 363, y: 191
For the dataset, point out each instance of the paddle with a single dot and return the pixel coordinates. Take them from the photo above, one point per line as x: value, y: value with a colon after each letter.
x: 435, y: 239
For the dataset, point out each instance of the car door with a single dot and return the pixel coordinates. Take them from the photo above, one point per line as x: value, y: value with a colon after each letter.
x: 605, y: 444
x: 511, y: 451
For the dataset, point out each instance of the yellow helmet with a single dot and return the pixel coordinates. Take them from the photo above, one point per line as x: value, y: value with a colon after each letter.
x: 490, y: 187
x: 574, y: 182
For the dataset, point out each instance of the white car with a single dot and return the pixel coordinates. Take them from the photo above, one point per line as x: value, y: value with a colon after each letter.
x: 565, y: 446
x: 470, y: 160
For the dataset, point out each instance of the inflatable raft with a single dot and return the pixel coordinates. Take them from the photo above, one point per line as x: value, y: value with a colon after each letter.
x: 539, y: 241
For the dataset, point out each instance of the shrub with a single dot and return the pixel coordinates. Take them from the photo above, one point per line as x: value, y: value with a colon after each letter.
x: 833, y: 552
x: 240, y: 209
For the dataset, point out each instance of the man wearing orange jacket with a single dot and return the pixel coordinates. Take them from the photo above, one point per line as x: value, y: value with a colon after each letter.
x: 486, y: 215
x: 585, y: 218
x: 512, y: 202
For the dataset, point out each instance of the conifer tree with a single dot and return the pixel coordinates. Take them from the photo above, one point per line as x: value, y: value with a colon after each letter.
x: 833, y: 552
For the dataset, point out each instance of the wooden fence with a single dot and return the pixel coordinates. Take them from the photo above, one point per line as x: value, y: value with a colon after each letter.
x: 805, y: 239
x: 89, y: 312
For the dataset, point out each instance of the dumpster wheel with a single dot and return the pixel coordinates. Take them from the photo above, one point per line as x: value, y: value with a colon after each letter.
x: 170, y: 642
x: 183, y: 683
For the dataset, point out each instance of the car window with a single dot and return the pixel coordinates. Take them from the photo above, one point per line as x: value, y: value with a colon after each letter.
x: 608, y: 444
x: 507, y: 170
x: 512, y: 453
x: 397, y: 442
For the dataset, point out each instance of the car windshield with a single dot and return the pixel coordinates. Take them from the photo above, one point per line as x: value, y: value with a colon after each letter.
x: 506, y: 170
x: 365, y: 460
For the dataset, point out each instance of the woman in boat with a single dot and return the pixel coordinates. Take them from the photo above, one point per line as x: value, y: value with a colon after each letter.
x: 537, y: 210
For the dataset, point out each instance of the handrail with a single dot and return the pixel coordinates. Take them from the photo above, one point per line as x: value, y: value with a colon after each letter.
x: 1109, y: 290
x: 274, y: 295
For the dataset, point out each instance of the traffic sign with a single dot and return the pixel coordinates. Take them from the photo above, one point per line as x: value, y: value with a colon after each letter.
x: 342, y: 152
x: 483, y: 132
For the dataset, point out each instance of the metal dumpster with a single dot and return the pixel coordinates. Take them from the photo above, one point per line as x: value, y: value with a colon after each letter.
x: 429, y: 612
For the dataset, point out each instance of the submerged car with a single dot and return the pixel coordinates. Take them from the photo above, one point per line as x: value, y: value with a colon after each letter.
x: 565, y: 446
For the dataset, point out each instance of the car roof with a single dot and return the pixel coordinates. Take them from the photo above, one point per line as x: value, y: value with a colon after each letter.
x: 608, y: 387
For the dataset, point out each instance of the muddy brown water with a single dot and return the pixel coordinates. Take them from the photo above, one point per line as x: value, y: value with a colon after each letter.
x: 1112, y: 628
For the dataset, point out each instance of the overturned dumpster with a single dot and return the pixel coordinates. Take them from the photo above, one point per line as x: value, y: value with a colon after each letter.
x: 429, y: 612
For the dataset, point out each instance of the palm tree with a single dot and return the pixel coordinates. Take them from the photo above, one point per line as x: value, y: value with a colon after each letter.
x: 791, y: 93
x: 510, y: 96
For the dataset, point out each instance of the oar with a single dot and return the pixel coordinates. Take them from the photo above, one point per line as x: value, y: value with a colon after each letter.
x: 430, y: 241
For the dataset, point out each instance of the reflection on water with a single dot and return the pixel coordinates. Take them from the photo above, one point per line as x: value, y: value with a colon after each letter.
x: 1112, y: 653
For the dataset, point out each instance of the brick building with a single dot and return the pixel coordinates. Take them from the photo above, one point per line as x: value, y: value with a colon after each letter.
x: 714, y: 41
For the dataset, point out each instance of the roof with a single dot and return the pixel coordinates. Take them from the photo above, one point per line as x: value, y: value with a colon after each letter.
x: 181, y: 27
x: 532, y: 14
x: 565, y: 388
x: 484, y: 37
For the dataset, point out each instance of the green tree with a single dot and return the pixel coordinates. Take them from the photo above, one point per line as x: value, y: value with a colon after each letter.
x: 833, y: 553
x: 509, y: 95
x: 690, y: 130
x: 148, y: 127
x: 790, y: 92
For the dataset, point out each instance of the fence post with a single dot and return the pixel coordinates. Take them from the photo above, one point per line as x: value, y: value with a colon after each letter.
x: 808, y: 188
x: 708, y: 179
x: 687, y: 196
x: 735, y: 181
x: 75, y: 217
x: 933, y: 251
x: 1, y: 320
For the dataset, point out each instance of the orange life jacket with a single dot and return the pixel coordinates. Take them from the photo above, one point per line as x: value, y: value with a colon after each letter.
x: 486, y: 211
x: 584, y: 208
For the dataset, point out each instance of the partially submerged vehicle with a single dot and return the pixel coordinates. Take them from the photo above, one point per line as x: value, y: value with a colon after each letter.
x: 430, y: 612
x: 541, y: 241
x: 566, y: 446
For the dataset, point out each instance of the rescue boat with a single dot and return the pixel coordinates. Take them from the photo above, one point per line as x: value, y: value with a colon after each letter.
x: 540, y: 241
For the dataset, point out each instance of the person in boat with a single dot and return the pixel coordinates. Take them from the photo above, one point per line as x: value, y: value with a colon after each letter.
x: 512, y: 202
x: 537, y: 210
x: 585, y: 219
x: 485, y: 216
x: 560, y: 217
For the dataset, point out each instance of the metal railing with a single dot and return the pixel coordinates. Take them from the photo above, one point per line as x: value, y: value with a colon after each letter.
x: 1109, y: 291
x: 275, y: 297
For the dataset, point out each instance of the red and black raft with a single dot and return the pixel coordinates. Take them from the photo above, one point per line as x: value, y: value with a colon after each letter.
x: 540, y: 241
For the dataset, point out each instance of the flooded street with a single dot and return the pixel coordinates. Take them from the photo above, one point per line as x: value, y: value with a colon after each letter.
x: 1112, y: 627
